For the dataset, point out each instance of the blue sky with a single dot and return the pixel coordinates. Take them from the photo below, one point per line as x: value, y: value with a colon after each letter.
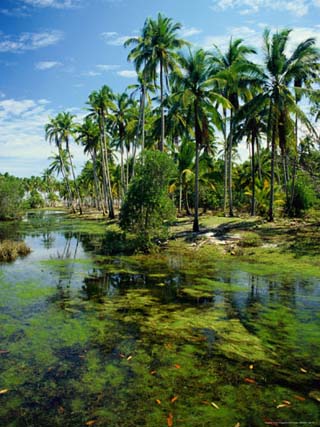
x: 53, y: 53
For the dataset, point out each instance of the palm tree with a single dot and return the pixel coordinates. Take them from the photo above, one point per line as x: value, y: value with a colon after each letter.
x: 198, y: 96
x: 281, y: 71
x: 157, y: 47
x: 65, y: 122
x: 237, y: 73
x: 101, y: 102
x: 88, y: 135
x: 52, y: 130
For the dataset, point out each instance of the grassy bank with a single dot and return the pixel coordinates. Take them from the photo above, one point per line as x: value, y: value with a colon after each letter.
x: 11, y: 250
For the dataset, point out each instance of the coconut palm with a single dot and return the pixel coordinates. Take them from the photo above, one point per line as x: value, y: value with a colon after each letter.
x: 237, y: 73
x: 198, y: 96
x: 101, y: 102
x: 157, y: 48
x: 281, y: 73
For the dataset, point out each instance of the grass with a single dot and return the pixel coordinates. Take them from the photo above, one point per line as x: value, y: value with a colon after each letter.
x: 10, y: 250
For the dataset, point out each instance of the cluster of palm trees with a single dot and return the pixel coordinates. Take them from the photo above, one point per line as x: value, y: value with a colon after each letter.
x: 188, y: 100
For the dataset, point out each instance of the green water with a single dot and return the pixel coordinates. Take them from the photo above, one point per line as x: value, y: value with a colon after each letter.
x: 151, y: 340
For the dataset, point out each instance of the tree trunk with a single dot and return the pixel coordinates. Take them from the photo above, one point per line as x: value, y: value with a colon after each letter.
x: 109, y: 191
x: 161, y: 145
x: 65, y: 177
x: 273, y: 150
x: 74, y: 178
x: 104, y: 170
x: 253, y: 176
x: 196, y: 183
x: 229, y: 168
x: 95, y: 177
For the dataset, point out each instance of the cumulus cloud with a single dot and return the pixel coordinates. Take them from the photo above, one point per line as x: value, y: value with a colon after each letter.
x: 189, y: 31
x: 24, y: 150
x: 296, y: 7
x: 57, y: 4
x: 129, y: 74
x: 107, y: 67
x: 114, y: 39
x: 29, y: 41
x: 47, y: 65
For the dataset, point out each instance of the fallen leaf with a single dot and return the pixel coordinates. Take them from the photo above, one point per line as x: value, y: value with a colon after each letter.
x: 170, y: 420
x: 91, y: 422
x: 249, y: 380
x: 129, y: 357
x: 177, y: 366
x: 174, y: 399
x: 158, y: 401
x: 251, y: 367
x: 4, y: 390
x: 287, y: 402
x: 153, y: 372
x: 302, y: 399
x: 122, y: 355
x: 282, y: 405
x: 215, y: 405
x: 304, y: 371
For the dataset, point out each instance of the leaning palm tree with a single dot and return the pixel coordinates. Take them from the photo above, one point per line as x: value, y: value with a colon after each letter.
x: 197, y: 94
x: 157, y: 47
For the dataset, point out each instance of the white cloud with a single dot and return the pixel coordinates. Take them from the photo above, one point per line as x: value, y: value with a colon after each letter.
x: 107, y: 67
x: 92, y: 74
x: 114, y: 39
x: 189, y: 31
x: 24, y: 150
x: 29, y: 41
x: 47, y: 65
x: 57, y: 4
x: 129, y: 74
x: 296, y: 7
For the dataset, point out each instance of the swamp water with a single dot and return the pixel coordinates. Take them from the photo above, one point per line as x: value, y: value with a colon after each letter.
x: 152, y: 341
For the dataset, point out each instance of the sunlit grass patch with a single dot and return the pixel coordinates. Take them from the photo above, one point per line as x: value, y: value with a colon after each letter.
x: 10, y: 250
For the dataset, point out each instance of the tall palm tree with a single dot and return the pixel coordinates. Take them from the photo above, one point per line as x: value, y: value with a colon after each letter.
x: 53, y: 134
x: 237, y: 72
x: 157, y: 47
x: 88, y: 135
x: 65, y: 121
x: 280, y: 75
x: 101, y: 102
x: 199, y: 97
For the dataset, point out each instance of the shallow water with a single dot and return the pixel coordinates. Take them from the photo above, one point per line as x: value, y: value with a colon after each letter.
x: 150, y: 340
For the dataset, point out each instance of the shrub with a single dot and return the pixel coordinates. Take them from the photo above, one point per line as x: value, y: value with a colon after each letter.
x: 147, y: 207
x: 304, y: 196
x: 11, y: 194
x: 10, y: 250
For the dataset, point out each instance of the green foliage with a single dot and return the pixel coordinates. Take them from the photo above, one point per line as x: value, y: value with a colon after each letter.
x: 304, y: 196
x: 35, y: 200
x: 147, y: 205
x: 11, y: 193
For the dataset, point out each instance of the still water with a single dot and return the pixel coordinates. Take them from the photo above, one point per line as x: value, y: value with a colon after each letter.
x: 165, y: 340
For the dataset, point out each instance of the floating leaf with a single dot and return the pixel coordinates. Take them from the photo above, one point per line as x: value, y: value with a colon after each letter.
x: 158, y: 401
x: 301, y: 398
x: 91, y: 422
x: 249, y: 380
x: 170, y: 420
x: 304, y: 371
x: 129, y: 357
x: 174, y: 399
x: 153, y: 372
x: 4, y: 390
x: 251, y: 367
x: 215, y: 405
x: 287, y: 402
x: 177, y: 366
x: 282, y: 405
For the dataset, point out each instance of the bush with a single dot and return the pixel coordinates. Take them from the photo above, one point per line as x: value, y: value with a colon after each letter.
x: 147, y: 207
x: 35, y: 200
x: 10, y: 250
x: 11, y: 194
x: 304, y: 196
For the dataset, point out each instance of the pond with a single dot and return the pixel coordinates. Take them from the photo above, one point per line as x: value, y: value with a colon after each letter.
x: 164, y: 340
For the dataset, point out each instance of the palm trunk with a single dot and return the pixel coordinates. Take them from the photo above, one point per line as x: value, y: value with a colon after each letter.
x: 74, y: 178
x: 225, y: 192
x: 65, y: 177
x: 196, y: 183
x: 180, y: 194
x: 121, y: 173
x: 161, y: 145
x: 253, y: 176
x: 109, y: 190
x: 104, y: 170
x: 230, y: 143
x: 273, y: 150
x: 295, y: 161
x: 95, y: 177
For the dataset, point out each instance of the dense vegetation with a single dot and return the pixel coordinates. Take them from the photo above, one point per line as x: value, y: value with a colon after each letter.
x: 197, y: 106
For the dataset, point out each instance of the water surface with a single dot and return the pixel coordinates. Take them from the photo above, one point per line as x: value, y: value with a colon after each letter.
x: 150, y: 340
